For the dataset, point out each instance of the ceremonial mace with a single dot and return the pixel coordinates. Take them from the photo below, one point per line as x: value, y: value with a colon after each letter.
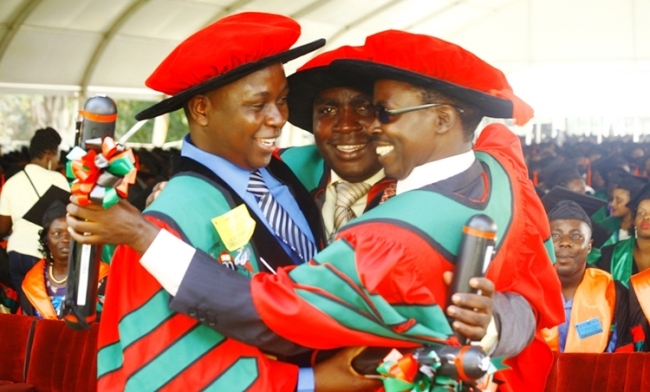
x: 79, y: 307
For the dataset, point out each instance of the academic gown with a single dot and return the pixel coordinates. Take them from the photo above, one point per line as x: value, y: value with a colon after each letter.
x: 380, y: 283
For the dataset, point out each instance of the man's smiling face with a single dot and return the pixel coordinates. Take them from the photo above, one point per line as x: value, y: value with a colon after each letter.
x: 341, y: 117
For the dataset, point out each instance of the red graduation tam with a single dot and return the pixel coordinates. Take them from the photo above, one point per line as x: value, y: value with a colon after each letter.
x: 222, y: 53
x: 430, y: 62
x: 317, y: 75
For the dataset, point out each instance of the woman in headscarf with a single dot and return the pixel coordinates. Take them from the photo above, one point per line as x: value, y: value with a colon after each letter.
x: 45, y: 284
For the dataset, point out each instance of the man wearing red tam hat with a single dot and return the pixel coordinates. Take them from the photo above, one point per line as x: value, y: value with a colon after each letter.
x: 229, y: 198
x: 381, y: 281
x: 430, y: 97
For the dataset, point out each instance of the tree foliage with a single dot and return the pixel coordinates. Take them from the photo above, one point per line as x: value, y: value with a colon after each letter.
x: 126, y: 119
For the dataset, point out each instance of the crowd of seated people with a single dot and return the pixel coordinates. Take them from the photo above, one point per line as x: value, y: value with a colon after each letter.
x: 609, y: 242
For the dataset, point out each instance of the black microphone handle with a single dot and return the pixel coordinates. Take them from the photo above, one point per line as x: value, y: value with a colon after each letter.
x: 474, y: 256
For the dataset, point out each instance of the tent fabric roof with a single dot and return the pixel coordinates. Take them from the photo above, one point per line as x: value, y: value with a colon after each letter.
x: 112, y: 46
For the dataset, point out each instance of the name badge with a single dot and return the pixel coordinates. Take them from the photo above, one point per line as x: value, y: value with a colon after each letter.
x: 589, y: 328
x: 235, y: 227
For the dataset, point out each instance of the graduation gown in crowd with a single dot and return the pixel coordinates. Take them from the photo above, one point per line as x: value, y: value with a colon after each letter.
x: 601, y: 305
x: 618, y: 260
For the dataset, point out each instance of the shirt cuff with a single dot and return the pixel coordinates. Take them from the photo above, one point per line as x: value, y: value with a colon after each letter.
x: 306, y: 380
x: 167, y: 259
x: 491, y: 338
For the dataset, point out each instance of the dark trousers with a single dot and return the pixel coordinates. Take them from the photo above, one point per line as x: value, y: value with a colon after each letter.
x: 19, y: 265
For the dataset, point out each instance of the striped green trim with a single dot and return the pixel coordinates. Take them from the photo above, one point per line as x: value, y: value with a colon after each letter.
x: 145, y: 319
x: 432, y: 317
x: 107, y: 253
x: 208, y: 202
x: 306, y: 163
x: 175, y: 359
x: 340, y: 255
x: 550, y: 249
x: 445, y: 229
x: 352, y: 320
x: 109, y: 358
x: 237, y: 377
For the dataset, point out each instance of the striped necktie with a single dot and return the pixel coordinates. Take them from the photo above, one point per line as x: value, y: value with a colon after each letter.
x: 346, y: 195
x: 279, y: 220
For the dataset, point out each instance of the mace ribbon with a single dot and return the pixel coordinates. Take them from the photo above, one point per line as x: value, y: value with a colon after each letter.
x: 103, y: 174
x: 419, y: 373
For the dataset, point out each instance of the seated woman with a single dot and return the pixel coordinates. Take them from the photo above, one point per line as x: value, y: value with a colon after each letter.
x: 621, y: 221
x: 45, y: 284
x: 629, y: 261
x: 629, y: 257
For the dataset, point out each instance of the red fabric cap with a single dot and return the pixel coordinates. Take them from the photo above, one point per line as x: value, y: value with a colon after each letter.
x: 438, y: 59
x: 317, y: 75
x: 221, y: 47
x: 344, y: 52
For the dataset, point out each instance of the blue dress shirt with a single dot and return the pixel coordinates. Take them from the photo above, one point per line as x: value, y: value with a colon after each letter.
x: 238, y: 178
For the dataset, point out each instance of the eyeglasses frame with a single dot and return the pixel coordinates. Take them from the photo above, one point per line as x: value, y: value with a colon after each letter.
x: 397, y: 112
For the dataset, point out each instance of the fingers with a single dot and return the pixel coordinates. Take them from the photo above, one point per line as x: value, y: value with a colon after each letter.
x: 472, y: 312
x: 447, y: 276
x: 84, y: 239
x: 152, y: 196
x: 159, y: 186
x: 155, y: 192
x: 81, y: 231
x: 471, y: 323
x: 352, y: 352
x: 484, y: 285
x: 473, y: 333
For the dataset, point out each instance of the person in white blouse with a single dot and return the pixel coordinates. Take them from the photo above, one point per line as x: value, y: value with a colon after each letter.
x: 19, y: 194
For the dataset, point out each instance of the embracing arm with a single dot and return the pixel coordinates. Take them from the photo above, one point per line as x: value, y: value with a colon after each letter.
x: 171, y: 261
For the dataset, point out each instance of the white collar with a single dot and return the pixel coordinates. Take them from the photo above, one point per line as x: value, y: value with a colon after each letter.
x: 370, y: 181
x: 436, y: 171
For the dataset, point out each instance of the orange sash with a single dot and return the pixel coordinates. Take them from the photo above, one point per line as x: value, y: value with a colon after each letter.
x: 641, y: 284
x: 35, y: 291
x: 594, y: 298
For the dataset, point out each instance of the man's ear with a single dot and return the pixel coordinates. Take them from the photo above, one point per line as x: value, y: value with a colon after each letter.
x: 197, y: 109
x: 446, y: 118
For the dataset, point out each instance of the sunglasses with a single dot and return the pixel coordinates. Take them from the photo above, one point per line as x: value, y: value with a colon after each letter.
x: 385, y: 116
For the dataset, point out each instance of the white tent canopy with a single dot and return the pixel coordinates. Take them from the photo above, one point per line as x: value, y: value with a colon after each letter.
x: 558, y: 53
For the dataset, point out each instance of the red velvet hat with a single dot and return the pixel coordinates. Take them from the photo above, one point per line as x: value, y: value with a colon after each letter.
x: 317, y: 75
x: 222, y: 53
x: 430, y: 62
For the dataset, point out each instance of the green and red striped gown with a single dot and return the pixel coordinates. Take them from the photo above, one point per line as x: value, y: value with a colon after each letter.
x: 145, y: 346
x: 380, y: 283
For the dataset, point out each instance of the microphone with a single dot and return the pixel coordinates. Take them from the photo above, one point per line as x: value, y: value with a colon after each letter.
x: 79, y: 308
x: 476, y: 249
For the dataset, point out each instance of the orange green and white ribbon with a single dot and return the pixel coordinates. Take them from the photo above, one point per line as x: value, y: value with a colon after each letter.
x: 419, y: 372
x: 103, y: 174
